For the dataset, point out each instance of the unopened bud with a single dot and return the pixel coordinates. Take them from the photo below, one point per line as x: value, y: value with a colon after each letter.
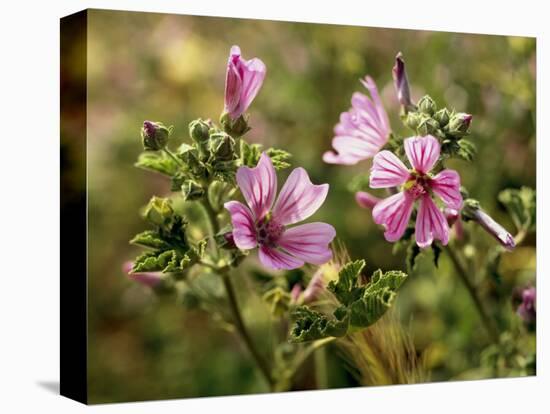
x: 428, y: 126
x: 149, y: 279
x: 401, y: 82
x: 472, y: 211
x: 159, y: 211
x: 526, y: 301
x: 314, y: 288
x: 427, y: 105
x: 414, y: 119
x: 222, y: 146
x: 191, y: 190
x: 199, y: 131
x: 154, y: 135
x: 459, y: 124
x: 442, y: 117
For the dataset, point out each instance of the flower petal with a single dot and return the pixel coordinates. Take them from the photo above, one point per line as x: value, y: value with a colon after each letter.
x: 254, y: 72
x: 233, y: 82
x: 387, y: 171
x: 368, y: 83
x: 350, y: 150
x: 277, y: 259
x: 258, y: 185
x: 244, y: 230
x: 366, y: 200
x: 309, y: 242
x: 299, y: 198
x: 422, y: 152
x: 446, y: 185
x: 430, y: 224
x: 394, y: 213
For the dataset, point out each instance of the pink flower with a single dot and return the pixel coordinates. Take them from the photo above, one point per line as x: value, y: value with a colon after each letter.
x: 149, y: 279
x: 362, y: 131
x: 243, y: 81
x: 395, y: 211
x: 264, y: 222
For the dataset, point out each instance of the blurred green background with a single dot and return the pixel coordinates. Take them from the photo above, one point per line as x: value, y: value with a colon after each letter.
x: 171, y: 68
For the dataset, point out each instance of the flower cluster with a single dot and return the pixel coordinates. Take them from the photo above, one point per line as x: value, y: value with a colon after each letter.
x: 425, y: 191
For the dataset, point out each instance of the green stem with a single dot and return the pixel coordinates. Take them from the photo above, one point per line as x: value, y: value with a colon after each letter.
x: 463, y: 276
x: 243, y: 332
x: 211, y: 215
x: 232, y: 298
x: 173, y: 156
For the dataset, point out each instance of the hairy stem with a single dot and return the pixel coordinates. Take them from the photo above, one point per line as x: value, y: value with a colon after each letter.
x: 173, y: 156
x: 243, y: 332
x: 232, y: 298
x: 463, y: 276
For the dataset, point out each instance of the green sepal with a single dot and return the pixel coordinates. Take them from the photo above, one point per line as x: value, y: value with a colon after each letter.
x: 250, y: 155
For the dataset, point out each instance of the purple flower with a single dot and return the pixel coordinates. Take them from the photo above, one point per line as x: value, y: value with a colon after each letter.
x: 492, y: 227
x: 149, y: 279
x: 395, y: 211
x: 264, y: 222
x: 401, y: 82
x: 527, y: 309
x: 362, y: 131
x: 243, y: 81
x: 366, y: 200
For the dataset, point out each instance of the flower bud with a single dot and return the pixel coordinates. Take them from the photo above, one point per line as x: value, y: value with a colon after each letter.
x: 159, y: 211
x: 459, y: 124
x: 154, y: 135
x: 149, y: 279
x: 427, y: 105
x: 314, y: 288
x: 243, y: 81
x: 295, y: 293
x: 526, y: 298
x: 414, y: 119
x: 442, y: 117
x: 199, y: 131
x: 192, y: 190
x: 454, y: 222
x: 229, y: 240
x: 428, y: 126
x: 472, y: 211
x: 366, y: 200
x: 222, y: 146
x: 401, y: 82
x: 190, y: 158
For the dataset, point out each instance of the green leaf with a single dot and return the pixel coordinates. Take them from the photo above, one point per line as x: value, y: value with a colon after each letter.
x: 156, y: 262
x: 377, y: 298
x: 158, y: 162
x: 521, y: 205
x: 361, y: 305
x: 310, y: 325
x: 347, y: 289
x: 150, y: 238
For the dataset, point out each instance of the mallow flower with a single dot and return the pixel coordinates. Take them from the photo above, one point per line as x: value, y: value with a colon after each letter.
x: 264, y: 222
x: 243, y: 80
x: 362, y: 131
x: 419, y: 184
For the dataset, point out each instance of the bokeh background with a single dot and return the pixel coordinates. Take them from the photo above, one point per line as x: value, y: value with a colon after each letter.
x: 171, y: 68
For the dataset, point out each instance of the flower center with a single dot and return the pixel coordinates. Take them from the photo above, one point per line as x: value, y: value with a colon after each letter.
x: 268, y: 231
x: 418, y: 184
